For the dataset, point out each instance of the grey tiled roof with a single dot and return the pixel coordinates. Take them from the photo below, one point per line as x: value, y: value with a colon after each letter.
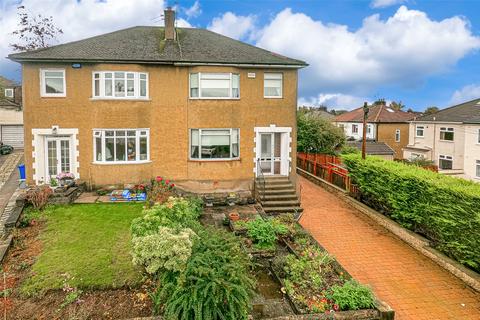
x: 373, y: 148
x: 146, y: 45
x: 467, y: 112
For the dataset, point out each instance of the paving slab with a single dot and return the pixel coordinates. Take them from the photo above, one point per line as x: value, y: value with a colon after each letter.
x: 413, y: 285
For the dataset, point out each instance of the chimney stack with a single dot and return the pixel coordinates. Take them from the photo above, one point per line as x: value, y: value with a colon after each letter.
x: 169, y: 15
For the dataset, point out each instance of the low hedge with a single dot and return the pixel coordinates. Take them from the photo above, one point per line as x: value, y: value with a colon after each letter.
x: 444, y: 209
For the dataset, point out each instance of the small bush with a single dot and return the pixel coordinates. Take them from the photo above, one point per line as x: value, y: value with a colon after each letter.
x: 159, y: 190
x: 264, y: 232
x: 38, y: 196
x: 352, y: 296
x: 445, y: 209
x: 216, y: 283
x: 175, y: 213
x: 168, y: 249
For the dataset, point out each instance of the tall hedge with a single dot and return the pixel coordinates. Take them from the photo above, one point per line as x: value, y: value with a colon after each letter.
x: 445, y: 209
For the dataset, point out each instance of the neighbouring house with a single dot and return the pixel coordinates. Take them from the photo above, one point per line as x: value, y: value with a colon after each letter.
x: 384, y: 124
x: 184, y: 103
x: 450, y: 138
x: 374, y: 148
x: 11, y: 113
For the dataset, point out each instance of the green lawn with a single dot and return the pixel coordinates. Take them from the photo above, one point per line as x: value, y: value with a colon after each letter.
x: 91, y: 243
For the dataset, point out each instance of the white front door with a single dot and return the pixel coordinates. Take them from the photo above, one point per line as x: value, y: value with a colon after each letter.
x: 271, y: 154
x: 58, y: 156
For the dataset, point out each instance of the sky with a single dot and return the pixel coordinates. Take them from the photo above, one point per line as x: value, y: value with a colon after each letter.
x: 420, y: 52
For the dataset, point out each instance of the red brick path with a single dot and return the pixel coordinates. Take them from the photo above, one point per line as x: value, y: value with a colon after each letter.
x: 413, y: 285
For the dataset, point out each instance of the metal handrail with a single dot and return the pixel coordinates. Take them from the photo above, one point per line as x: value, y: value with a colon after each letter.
x: 260, y: 177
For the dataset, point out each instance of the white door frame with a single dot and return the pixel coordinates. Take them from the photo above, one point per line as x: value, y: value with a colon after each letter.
x: 58, y: 145
x: 286, y: 139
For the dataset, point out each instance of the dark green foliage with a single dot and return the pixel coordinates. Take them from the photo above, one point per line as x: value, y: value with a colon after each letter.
x: 216, y: 283
x: 352, y: 296
x: 445, y: 209
x: 264, y: 232
x: 317, y: 135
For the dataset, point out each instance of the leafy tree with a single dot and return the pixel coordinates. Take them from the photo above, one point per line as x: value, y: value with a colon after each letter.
x: 34, y: 32
x: 430, y: 110
x: 397, y: 105
x: 317, y: 135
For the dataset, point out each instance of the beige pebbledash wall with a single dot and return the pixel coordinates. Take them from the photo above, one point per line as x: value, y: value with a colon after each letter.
x: 169, y: 113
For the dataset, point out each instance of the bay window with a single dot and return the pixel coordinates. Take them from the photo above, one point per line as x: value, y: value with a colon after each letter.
x: 121, y: 145
x: 209, y: 144
x: 214, y: 85
x: 272, y: 85
x: 120, y: 85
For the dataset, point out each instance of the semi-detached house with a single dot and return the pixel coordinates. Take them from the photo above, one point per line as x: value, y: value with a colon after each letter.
x: 185, y: 103
x: 450, y: 138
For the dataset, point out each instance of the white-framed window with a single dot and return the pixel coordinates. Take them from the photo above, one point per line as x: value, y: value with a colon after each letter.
x: 446, y: 134
x: 52, y: 83
x: 354, y: 128
x: 120, y: 85
x: 478, y: 136
x: 445, y: 162
x: 272, y: 85
x: 369, y: 129
x: 477, y: 169
x: 214, y: 85
x: 121, y: 145
x: 397, y: 135
x: 419, y: 131
x: 9, y: 93
x: 215, y: 144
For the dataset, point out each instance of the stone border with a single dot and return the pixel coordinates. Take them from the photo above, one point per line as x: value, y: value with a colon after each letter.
x: 8, y: 220
x: 419, y: 243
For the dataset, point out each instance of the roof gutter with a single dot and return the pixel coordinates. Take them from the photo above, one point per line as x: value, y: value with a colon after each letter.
x: 436, y: 121
x: 244, y: 65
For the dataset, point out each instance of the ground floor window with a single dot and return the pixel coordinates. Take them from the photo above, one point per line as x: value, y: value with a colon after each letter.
x: 478, y: 169
x: 121, y: 145
x: 208, y: 144
x: 445, y: 162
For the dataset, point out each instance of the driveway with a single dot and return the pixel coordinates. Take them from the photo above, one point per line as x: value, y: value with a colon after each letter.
x: 9, y: 176
x: 416, y: 287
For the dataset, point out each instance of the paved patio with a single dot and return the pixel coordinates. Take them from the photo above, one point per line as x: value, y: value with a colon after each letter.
x: 416, y: 287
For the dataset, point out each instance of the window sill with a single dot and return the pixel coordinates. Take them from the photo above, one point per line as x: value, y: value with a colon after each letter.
x: 449, y: 141
x: 120, y: 99
x: 121, y: 162
x: 212, y: 98
x: 265, y: 97
x: 421, y: 137
x: 214, y: 160
x: 59, y: 96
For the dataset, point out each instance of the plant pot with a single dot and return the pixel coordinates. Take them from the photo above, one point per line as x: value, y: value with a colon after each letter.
x: 66, y: 182
x: 234, y: 216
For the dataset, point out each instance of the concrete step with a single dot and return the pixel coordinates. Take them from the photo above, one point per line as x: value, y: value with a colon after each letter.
x: 277, y: 192
x: 278, y: 197
x: 272, y: 210
x: 276, y: 186
x: 281, y: 203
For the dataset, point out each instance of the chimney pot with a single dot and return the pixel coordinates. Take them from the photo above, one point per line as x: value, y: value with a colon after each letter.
x: 169, y: 15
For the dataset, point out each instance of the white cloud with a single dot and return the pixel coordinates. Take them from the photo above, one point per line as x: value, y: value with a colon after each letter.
x: 403, y: 50
x: 233, y: 26
x: 79, y: 19
x: 194, y: 11
x: 385, y: 3
x: 467, y: 93
x: 334, y: 101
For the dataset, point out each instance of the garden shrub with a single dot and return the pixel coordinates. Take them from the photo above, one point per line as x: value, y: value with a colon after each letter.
x: 352, y: 296
x: 168, y: 249
x: 264, y: 232
x: 159, y: 190
x: 216, y: 283
x: 445, y: 209
x: 38, y: 196
x: 175, y: 213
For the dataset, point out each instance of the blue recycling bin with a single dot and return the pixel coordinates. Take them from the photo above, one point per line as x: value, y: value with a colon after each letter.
x: 21, y: 169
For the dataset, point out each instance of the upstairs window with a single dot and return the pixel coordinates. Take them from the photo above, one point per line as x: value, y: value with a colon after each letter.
x: 121, y: 146
x: 478, y: 137
x: 9, y: 93
x: 420, y: 131
x: 397, y: 135
x: 214, y: 85
x: 446, y: 134
x: 354, y: 128
x: 272, y: 85
x: 120, y: 85
x: 445, y: 162
x: 52, y: 82
x: 211, y: 144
